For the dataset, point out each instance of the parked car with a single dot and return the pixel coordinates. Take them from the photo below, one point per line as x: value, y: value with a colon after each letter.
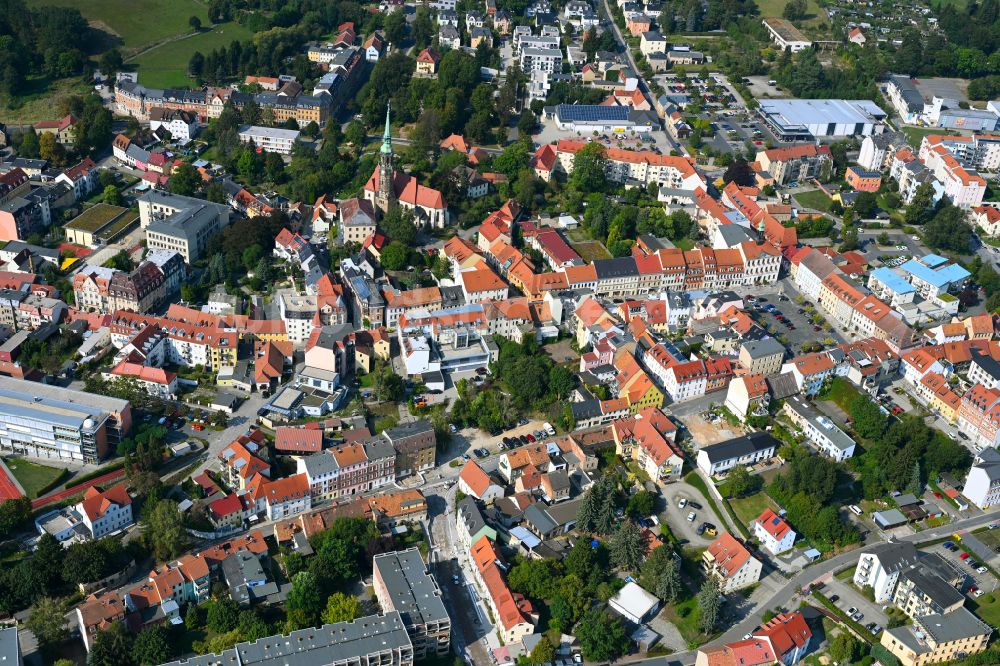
x: 834, y: 598
x: 852, y: 610
x: 981, y: 570
x: 963, y: 556
x: 691, y: 517
x: 682, y: 503
x: 694, y: 505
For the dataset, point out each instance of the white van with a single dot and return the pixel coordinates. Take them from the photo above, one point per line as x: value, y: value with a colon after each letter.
x: 856, y: 510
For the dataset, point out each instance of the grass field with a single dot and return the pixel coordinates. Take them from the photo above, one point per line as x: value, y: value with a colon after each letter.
x: 138, y: 22
x: 815, y: 199
x: 166, y: 66
x: 32, y: 476
x: 748, y: 508
x: 774, y: 8
x: 41, y: 100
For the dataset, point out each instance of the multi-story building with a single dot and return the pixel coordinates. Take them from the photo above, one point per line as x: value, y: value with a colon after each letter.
x: 106, y: 511
x: 181, y: 224
x: 168, y: 340
x: 730, y: 563
x: 773, y: 532
x: 982, y: 485
x: 372, y: 640
x: 648, y: 439
x: 298, y: 312
x: 761, y: 357
x: 403, y: 583
x: 746, y: 450
x: 797, y: 163
x: 938, y: 638
x: 273, y: 140
x: 818, y: 429
x: 644, y: 166
x: 42, y: 421
x: 929, y: 587
x: 415, y: 445
x: 880, y: 568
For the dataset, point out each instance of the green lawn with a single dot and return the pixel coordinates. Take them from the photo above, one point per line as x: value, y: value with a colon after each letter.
x: 166, y: 66
x: 33, y: 477
x: 748, y: 508
x: 916, y: 134
x: 685, y: 616
x: 137, y: 23
x: 815, y: 199
x: 841, y: 393
x: 987, y: 607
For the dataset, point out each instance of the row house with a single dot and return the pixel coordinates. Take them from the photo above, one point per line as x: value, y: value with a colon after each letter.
x: 349, y: 469
x: 934, y: 391
x: 642, y: 166
x: 514, y: 614
x: 239, y: 462
x: 945, y: 158
x: 280, y: 498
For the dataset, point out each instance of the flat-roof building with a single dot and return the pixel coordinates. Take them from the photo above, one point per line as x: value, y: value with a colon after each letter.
x: 44, y: 421
x: 180, y: 224
x: 804, y: 119
x: 786, y: 35
x: 367, y: 641
x: 271, y: 139
x: 819, y: 430
x: 403, y: 584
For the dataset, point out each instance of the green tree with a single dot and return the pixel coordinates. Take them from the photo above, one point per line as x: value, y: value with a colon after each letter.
x: 164, y: 532
x: 185, y: 180
x: 602, y: 637
x: 739, y: 172
x: 223, y: 615
x: 588, y: 168
x: 921, y: 207
x: 355, y: 134
x: 394, y: 256
x: 867, y: 420
x: 948, y: 230
x: 47, y: 621
x: 111, y: 196
x: 394, y: 28
x: 195, y: 23
x: 844, y: 648
x: 50, y: 149
x: 866, y: 205
x: 340, y: 607
x: 543, y: 652
x: 111, y: 647
x: 597, y: 510
x: 12, y: 514
x: 400, y: 225
x: 110, y: 63
x: 29, y: 145
x: 627, y: 546
x: 192, y: 617
x: 152, y: 646
x: 740, y: 482
x: 642, y: 504
x: 535, y: 578
x: 304, y: 603
x: 709, y: 605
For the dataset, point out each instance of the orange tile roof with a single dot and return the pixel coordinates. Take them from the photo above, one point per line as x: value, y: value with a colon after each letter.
x: 96, y: 502
x: 773, y: 524
x: 475, y: 478
x: 399, y: 504
x: 728, y: 553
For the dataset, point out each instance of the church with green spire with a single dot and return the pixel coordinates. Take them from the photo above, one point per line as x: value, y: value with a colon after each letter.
x: 387, y: 188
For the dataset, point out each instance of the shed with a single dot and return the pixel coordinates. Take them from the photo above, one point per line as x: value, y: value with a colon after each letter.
x: 812, y: 554
x: 634, y: 603
x: 889, y: 519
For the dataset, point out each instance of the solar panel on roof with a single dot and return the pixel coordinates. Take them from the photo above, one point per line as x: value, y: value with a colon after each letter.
x: 592, y: 112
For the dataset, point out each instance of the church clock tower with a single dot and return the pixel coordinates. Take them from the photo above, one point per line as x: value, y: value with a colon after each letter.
x: 386, y: 195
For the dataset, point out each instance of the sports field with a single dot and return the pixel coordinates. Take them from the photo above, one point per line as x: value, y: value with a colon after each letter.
x: 138, y: 22
x: 165, y: 66
x: 33, y: 477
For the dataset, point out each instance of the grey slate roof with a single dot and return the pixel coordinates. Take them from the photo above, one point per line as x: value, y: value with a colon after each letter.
x: 740, y: 446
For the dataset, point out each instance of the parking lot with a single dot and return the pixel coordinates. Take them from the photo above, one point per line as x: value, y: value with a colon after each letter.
x: 791, y: 321
x: 976, y: 580
x: 676, y: 517
x: 846, y: 597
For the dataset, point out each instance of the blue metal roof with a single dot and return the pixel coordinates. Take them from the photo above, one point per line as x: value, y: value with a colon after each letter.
x: 938, y: 277
x: 933, y: 260
x: 889, y: 278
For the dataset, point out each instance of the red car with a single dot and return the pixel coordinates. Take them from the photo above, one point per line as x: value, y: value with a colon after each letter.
x: 897, y: 410
x: 937, y: 495
x: 531, y: 438
x: 963, y: 556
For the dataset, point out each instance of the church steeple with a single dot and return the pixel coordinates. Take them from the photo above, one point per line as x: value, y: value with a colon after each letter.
x: 387, y: 134
x: 386, y: 195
